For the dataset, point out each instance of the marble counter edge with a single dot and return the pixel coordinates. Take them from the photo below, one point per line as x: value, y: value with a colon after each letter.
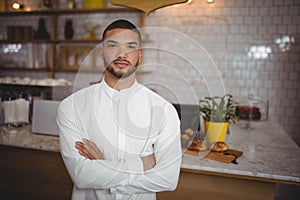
x: 24, y: 138
x: 240, y: 173
x: 30, y: 146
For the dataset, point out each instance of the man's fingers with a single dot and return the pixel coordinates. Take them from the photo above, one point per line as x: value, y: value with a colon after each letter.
x: 79, y: 145
x: 90, y: 145
x: 83, y: 150
x: 87, y: 153
x: 84, y: 155
x: 88, y: 149
x: 93, y: 149
x: 148, y: 161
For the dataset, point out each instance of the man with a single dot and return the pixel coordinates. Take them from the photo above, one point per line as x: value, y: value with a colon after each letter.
x: 119, y: 140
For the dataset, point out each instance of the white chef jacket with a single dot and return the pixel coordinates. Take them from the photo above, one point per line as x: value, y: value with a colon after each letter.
x: 124, y: 125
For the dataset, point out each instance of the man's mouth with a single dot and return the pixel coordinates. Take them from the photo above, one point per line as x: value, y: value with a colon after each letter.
x: 121, y: 63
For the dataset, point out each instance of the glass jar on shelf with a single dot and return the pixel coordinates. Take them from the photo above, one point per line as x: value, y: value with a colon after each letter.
x: 71, y: 4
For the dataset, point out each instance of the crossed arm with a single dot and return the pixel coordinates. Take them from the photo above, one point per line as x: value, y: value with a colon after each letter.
x: 89, y: 150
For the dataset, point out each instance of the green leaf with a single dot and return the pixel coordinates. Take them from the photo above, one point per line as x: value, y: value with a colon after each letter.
x: 218, y: 109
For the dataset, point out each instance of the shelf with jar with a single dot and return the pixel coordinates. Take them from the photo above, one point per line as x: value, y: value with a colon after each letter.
x: 54, y: 32
x: 24, y: 56
x: 41, y: 7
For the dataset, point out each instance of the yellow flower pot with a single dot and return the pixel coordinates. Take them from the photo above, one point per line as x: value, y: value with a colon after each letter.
x: 215, y: 131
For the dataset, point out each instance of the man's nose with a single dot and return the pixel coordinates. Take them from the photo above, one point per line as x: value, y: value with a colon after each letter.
x: 123, y: 52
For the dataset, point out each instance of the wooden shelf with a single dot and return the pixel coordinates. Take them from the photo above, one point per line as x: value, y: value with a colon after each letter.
x: 26, y: 41
x: 23, y: 68
x: 78, y: 70
x: 50, y: 41
x: 77, y: 41
x: 29, y: 13
x: 95, y: 11
x: 59, y: 41
x: 68, y: 12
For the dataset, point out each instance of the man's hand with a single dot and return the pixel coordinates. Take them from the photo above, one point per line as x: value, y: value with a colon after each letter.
x: 89, y: 150
x: 148, y: 162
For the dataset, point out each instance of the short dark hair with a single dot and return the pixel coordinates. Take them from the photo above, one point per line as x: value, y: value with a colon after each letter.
x: 122, y: 24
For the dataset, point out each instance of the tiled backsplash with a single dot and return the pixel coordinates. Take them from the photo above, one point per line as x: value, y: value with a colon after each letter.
x: 233, y: 46
x: 253, y: 43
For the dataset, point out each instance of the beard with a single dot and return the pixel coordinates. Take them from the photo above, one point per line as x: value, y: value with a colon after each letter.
x: 120, y: 75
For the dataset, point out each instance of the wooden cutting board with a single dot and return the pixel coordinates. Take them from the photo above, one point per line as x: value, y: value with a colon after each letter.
x: 228, y: 156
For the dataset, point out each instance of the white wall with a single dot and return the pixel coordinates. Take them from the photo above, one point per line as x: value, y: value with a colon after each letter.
x: 227, y: 30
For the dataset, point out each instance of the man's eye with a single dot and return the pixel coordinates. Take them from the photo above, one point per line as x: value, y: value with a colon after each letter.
x: 112, y: 45
x: 131, y: 47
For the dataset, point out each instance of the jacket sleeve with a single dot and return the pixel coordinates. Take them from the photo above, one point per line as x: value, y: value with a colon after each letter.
x: 85, y: 173
x: 164, y: 176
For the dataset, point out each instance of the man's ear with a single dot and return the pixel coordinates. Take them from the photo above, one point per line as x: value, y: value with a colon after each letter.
x: 140, y: 53
x: 140, y: 56
x: 101, y: 51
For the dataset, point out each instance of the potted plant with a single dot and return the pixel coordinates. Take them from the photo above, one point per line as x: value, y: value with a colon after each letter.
x: 217, y: 113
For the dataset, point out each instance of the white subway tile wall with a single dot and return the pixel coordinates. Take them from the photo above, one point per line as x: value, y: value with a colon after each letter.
x: 232, y: 28
x: 231, y: 46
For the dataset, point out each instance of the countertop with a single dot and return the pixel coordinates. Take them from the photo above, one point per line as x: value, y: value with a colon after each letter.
x: 269, y: 153
x: 23, y: 137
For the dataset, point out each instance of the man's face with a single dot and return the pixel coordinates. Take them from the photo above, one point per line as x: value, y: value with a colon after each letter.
x: 121, y: 52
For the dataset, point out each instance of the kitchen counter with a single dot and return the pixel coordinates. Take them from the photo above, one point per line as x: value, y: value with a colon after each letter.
x: 270, y: 159
x: 270, y: 156
x: 269, y: 153
x: 23, y: 137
